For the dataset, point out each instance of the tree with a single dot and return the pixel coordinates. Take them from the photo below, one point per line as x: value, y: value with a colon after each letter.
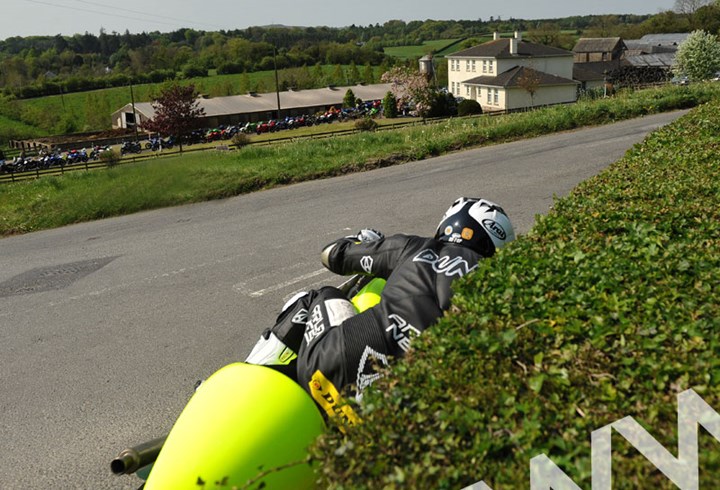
x: 530, y: 81
x: 349, y: 99
x: 176, y: 111
x: 353, y: 73
x: 550, y: 34
x: 410, y: 86
x: 698, y: 57
x: 690, y: 6
x: 390, y: 109
x: 368, y: 75
x: 707, y: 18
x: 604, y: 26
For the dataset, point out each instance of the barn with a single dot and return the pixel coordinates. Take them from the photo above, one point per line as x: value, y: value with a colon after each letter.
x: 253, y: 107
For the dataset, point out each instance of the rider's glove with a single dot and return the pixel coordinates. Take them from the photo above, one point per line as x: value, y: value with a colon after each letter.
x: 369, y: 235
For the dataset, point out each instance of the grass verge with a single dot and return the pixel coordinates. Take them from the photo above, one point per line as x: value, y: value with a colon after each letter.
x: 608, y: 308
x: 58, y: 201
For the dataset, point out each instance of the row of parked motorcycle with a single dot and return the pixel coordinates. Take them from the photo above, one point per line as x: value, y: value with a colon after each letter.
x: 154, y: 144
x: 49, y: 159
x: 366, y: 109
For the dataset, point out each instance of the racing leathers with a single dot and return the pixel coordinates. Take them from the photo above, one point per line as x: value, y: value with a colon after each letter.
x: 339, y: 351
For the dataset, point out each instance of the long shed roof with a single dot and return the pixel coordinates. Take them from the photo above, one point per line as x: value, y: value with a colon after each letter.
x: 267, y: 102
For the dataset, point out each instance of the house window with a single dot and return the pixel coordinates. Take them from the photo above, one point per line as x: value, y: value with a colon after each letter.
x: 473, y: 65
x: 467, y: 89
x: 489, y: 96
x: 467, y: 65
x: 485, y: 63
x: 496, y: 96
x: 491, y: 65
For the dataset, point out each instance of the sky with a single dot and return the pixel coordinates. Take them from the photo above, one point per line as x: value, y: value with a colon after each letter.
x: 68, y: 17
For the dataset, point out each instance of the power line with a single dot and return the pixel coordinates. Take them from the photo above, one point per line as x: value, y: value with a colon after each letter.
x: 105, y: 5
x: 114, y: 15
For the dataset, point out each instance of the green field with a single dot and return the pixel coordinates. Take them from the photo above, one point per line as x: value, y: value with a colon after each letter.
x: 418, y: 51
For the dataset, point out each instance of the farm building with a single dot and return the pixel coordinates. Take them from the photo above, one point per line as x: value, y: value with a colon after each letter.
x: 255, y: 107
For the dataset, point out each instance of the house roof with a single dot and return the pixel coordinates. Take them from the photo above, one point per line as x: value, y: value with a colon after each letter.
x: 267, y: 102
x: 674, y: 39
x: 664, y: 60
x: 598, y: 45
x: 513, y: 77
x: 500, y: 49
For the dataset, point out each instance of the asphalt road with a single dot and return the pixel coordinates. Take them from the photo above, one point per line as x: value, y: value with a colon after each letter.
x: 106, y: 326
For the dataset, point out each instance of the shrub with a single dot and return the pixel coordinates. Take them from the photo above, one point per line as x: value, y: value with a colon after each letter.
x: 469, y: 107
x: 442, y: 104
x: 110, y: 158
x: 366, y: 124
x: 607, y: 308
x: 240, y: 140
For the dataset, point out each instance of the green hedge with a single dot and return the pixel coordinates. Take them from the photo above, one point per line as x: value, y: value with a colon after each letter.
x: 608, y: 308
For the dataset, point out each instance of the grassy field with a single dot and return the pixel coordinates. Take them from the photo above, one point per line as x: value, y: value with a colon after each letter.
x: 80, y: 196
x: 419, y: 50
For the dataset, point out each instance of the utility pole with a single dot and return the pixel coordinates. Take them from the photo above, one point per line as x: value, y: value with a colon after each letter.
x: 132, y: 99
x: 277, y: 83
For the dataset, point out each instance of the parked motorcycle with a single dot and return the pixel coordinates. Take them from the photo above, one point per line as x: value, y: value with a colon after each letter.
x: 130, y: 147
x: 98, y: 150
x: 245, y: 425
x: 76, y: 156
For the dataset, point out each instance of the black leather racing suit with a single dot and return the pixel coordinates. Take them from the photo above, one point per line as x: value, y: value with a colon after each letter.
x: 419, y: 273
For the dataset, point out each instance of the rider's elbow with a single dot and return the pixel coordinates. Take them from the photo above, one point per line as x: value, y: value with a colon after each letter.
x: 325, y: 255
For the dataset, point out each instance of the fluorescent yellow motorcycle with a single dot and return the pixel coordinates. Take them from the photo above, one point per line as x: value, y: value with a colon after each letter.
x: 246, y: 426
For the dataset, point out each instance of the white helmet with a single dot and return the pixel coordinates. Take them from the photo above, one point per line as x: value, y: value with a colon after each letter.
x: 477, y: 224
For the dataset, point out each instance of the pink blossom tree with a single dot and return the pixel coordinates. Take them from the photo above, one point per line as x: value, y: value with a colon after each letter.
x: 408, y: 85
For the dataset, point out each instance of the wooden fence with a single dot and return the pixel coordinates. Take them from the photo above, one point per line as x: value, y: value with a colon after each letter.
x: 221, y: 146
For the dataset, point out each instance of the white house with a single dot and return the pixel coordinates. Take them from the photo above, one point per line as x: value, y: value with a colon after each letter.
x: 509, y: 73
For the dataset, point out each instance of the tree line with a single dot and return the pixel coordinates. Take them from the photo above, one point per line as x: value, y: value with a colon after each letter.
x: 51, y: 65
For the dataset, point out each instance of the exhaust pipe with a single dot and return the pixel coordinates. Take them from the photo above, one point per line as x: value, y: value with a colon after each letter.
x: 132, y: 459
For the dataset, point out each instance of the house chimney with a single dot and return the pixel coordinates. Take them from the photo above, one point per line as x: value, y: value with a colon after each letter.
x: 496, y: 36
x: 517, y: 37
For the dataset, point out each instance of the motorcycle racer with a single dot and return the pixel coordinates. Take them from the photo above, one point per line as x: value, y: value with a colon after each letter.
x: 332, y: 351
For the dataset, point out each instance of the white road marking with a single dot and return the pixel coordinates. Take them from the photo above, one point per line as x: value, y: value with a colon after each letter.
x: 260, y: 292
